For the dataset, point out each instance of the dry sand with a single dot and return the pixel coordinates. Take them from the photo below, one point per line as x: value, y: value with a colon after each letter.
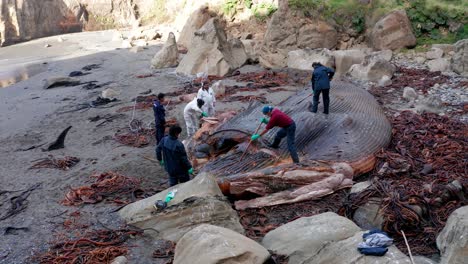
x: 30, y: 115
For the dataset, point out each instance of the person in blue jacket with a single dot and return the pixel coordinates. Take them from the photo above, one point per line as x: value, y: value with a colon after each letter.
x: 321, y: 78
x: 172, y: 156
x: 159, y: 116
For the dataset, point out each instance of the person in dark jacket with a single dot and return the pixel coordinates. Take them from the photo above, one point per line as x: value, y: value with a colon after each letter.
x: 171, y: 154
x: 288, y: 128
x: 321, y: 78
x: 159, y: 116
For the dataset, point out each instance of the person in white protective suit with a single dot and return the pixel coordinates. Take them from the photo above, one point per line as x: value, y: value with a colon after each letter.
x: 192, y: 112
x: 207, y: 95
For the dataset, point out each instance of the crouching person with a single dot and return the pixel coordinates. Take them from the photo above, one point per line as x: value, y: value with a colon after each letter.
x: 172, y: 156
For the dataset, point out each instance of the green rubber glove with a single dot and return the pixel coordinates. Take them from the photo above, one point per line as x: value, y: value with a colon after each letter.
x: 161, y: 162
x: 255, y: 137
x: 204, y: 114
x: 190, y: 171
x: 264, y: 120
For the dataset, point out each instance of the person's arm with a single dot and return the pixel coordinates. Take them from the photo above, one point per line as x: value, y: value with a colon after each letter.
x: 161, y: 114
x: 159, y: 150
x: 331, y: 73
x: 183, y: 157
x: 312, y: 80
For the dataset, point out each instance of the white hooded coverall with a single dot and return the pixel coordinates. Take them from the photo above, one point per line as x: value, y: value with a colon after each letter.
x: 191, y: 115
x: 209, y: 97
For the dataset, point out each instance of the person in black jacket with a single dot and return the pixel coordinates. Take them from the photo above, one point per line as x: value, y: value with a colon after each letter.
x: 171, y: 154
x: 321, y: 77
x: 159, y: 116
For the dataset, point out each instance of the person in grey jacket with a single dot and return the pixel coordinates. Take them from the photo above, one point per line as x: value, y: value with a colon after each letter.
x: 321, y: 78
x: 171, y: 154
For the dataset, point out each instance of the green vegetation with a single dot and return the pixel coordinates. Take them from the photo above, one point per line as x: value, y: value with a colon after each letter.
x: 158, y: 13
x: 260, y: 11
x: 229, y: 7
x: 264, y: 11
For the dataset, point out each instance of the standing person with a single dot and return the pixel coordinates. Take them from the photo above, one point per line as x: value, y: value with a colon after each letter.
x: 321, y: 77
x: 192, y: 112
x: 159, y: 116
x: 288, y: 128
x: 171, y: 154
x: 207, y: 95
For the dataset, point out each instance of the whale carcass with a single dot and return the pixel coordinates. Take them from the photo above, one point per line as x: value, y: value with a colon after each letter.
x: 332, y: 148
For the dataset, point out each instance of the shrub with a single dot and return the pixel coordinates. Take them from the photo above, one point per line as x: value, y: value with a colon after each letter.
x: 264, y: 11
x: 229, y: 7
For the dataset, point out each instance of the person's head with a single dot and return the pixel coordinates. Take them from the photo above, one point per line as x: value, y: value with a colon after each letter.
x: 175, y: 130
x: 316, y: 64
x: 267, y: 110
x: 161, y: 97
x: 200, y: 103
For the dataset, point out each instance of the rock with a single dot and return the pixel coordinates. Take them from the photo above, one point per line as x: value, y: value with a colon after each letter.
x: 210, y: 244
x: 359, y: 187
x: 61, y: 81
x: 423, y: 260
x: 59, y: 39
x: 420, y: 60
x: 446, y: 48
x: 303, y: 238
x: 345, y: 251
x: 453, y: 240
x: 372, y: 69
x: 212, y: 53
x: 117, y: 36
x: 367, y: 216
x: 47, y: 45
x: 109, y: 93
x: 250, y: 47
x: 317, y: 35
x: 150, y: 34
x: 219, y: 88
x: 140, y: 43
x: 434, y: 53
x: 136, y: 49
x: 392, y: 32
x: 384, y: 55
x: 196, y: 202
x: 438, y: 65
x: 344, y: 59
x: 303, y: 59
x: 460, y: 58
x: 430, y: 104
x: 120, y: 260
x: 168, y: 56
x: 126, y: 44
x: 195, y: 22
x: 410, y: 94
x: 384, y: 81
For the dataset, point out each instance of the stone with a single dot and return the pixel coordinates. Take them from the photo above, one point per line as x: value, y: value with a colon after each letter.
x: 140, y: 43
x: 196, y: 202
x: 420, y: 59
x: 434, y: 53
x: 345, y: 251
x: 410, y: 94
x: 303, y: 238
x: 120, y: 260
x: 368, y: 216
x: 126, y: 44
x: 250, y: 47
x: 168, y: 56
x: 393, y: 31
x: 317, y: 35
x: 423, y: 260
x: 136, y: 49
x: 109, y: 93
x: 195, y: 22
x: 210, y: 244
x: 386, y: 55
x: 372, y: 69
x: 303, y: 59
x: 453, y: 240
x: 430, y: 104
x: 438, y: 65
x: 59, y: 39
x: 212, y: 53
x: 359, y: 187
x: 384, y: 81
x: 60, y: 81
x: 47, y: 45
x: 459, y: 62
x: 344, y: 59
x: 446, y: 48
x: 150, y: 34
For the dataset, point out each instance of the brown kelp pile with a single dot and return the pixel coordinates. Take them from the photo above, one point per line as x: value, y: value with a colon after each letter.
x: 53, y: 163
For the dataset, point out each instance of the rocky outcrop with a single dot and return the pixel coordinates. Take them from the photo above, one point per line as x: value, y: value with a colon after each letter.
x: 393, y: 32
x: 460, y: 59
x: 210, y: 244
x: 168, y: 56
x: 440, y: 64
x: 287, y: 32
x: 196, y: 202
x: 373, y: 69
x: 212, y: 53
x: 303, y: 59
x: 453, y: 240
x: 434, y: 53
x: 194, y: 23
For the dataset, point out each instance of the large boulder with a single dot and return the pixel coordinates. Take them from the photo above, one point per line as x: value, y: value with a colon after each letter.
x: 393, y: 32
x: 211, y: 53
x: 303, y: 59
x: 344, y: 59
x: 440, y: 64
x: 460, y: 59
x: 453, y: 240
x: 168, y: 56
x: 368, y: 215
x: 196, y: 202
x: 303, y: 238
x: 196, y: 20
x: 210, y: 244
x: 317, y: 35
x: 345, y: 251
x: 372, y: 69
x: 434, y: 53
